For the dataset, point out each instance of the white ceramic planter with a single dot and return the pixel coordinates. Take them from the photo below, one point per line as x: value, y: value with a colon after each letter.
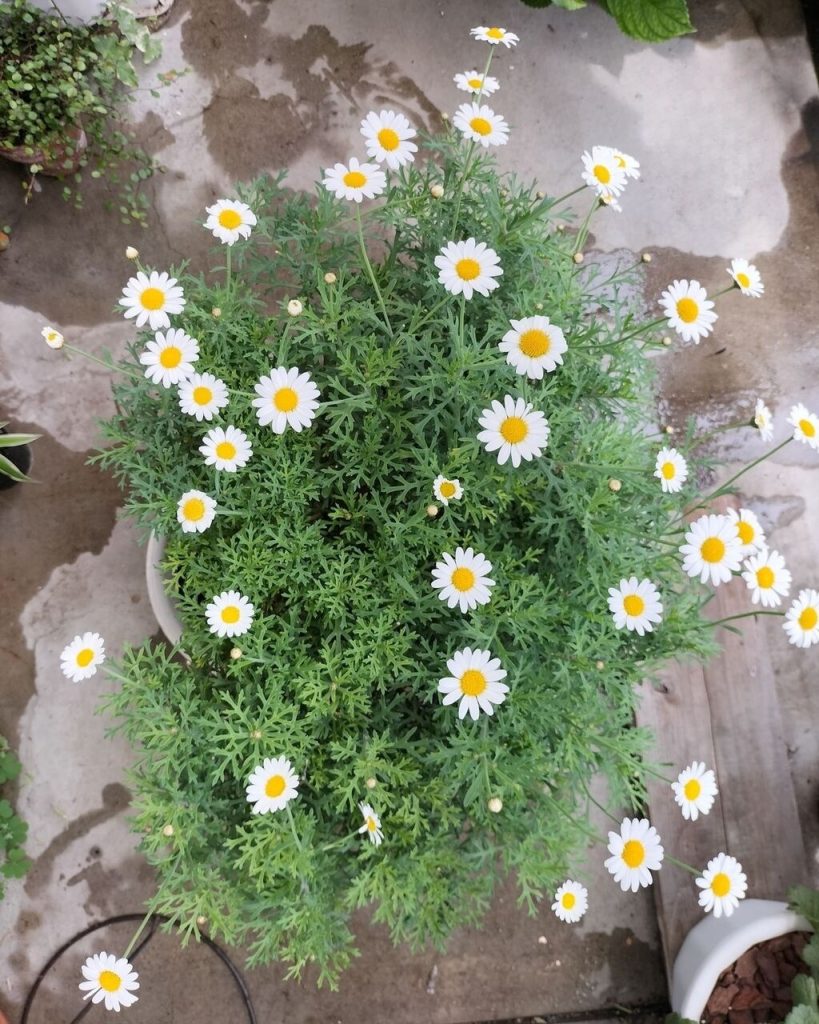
x: 716, y: 942
x: 161, y: 603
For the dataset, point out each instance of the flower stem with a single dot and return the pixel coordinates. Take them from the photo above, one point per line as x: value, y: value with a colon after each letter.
x: 577, y: 824
x: 732, y: 618
x: 568, y: 195
x: 368, y: 265
x: 722, y: 487
x: 639, y: 330
x: 137, y: 934
x: 228, y: 266
x: 584, y: 227
x: 470, y: 151
x: 108, y: 365
x: 682, y: 864
x: 293, y: 826
x: 599, y: 806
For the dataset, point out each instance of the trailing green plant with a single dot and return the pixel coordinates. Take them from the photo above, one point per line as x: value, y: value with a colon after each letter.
x: 56, y: 76
x: 651, y: 21
x: 13, y: 830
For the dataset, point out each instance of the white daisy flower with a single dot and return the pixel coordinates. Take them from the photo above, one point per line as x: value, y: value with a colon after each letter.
x: 494, y: 35
x: 514, y: 430
x: 52, y: 337
x: 626, y: 163
x: 712, y: 549
x: 747, y: 278
x: 802, y: 619
x: 447, y: 490
x: 635, y: 852
x: 749, y: 530
x: 763, y: 420
x: 272, y: 785
x: 609, y: 201
x: 805, y: 426
x: 372, y: 824
x: 230, y: 220
x: 355, y: 181
x: 463, y: 580
x: 723, y: 885
x: 195, y: 511
x: 229, y: 614
x: 695, y: 790
x: 110, y: 979
x: 571, y: 901
x: 475, y: 682
x: 169, y: 357
x: 202, y: 395
x: 82, y: 657
x: 387, y: 138
x: 226, y: 448
x: 635, y: 605
x: 767, y: 578
x: 479, y: 123
x: 475, y: 81
x: 688, y: 310
x: 671, y: 469
x: 468, y: 267
x: 287, y: 398
x: 602, y: 172
x: 152, y: 299
x: 533, y: 346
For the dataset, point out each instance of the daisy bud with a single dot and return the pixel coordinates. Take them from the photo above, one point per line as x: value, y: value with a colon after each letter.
x: 495, y: 805
x: 432, y: 511
x: 256, y: 734
x: 167, y: 831
x: 371, y: 783
x: 578, y: 257
x: 236, y: 653
x: 52, y: 338
x: 646, y: 257
x: 216, y: 312
x: 669, y: 429
x: 667, y: 341
x: 294, y: 307
x: 436, y: 190
x: 560, y: 226
x: 538, y: 305
x: 538, y: 195
x: 201, y: 920
x: 542, y: 940
x: 444, y: 116
x: 173, y: 730
x: 330, y: 278
x: 131, y: 253
x: 614, y: 485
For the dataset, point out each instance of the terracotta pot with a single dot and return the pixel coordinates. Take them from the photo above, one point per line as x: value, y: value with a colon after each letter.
x: 57, y: 158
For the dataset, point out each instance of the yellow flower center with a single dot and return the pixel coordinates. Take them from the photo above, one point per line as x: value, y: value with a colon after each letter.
x: 712, y: 549
x: 514, y: 429
x: 495, y: 33
x: 473, y: 682
x: 230, y: 219
x: 692, y: 789
x: 202, y: 395
x: 687, y: 310
x: 568, y: 899
x: 285, y: 399
x: 634, y: 853
x: 85, y: 657
x: 193, y: 509
x: 602, y: 173
x: 743, y: 280
x: 274, y: 786
x: 720, y: 884
x: 389, y: 139
x: 152, y: 298
x: 170, y: 357
x: 355, y: 179
x: 481, y: 126
x: 447, y: 489
x: 535, y: 343
x: 807, y: 428
x: 467, y: 269
x: 765, y: 577
x: 669, y: 470
x: 463, y: 579
x: 109, y: 981
x: 634, y: 604
x: 230, y: 614
x: 226, y: 450
x: 745, y: 531
x: 808, y: 619
x: 474, y: 83
x: 372, y: 824
x: 620, y: 161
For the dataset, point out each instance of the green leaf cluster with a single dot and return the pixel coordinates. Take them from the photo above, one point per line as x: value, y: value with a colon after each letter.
x: 650, y: 21
x: 328, y: 533
x: 13, y: 830
x: 7, y: 467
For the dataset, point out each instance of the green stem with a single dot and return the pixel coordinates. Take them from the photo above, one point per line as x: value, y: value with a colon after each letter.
x: 337, y: 842
x: 628, y: 757
x: 430, y: 314
x: 639, y: 330
x: 723, y: 487
x: 729, y: 288
x: 568, y: 195
x: 577, y: 824
x: 292, y: 821
x: 732, y: 618
x: 137, y: 934
x: 368, y: 265
x: 584, y: 227
x: 599, y: 806
x: 682, y: 864
x: 470, y: 151
x: 228, y: 269
x: 108, y: 366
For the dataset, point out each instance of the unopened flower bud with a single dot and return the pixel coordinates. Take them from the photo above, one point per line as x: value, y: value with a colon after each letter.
x: 330, y: 278
x: 201, y: 920
x: 52, y: 338
x: 132, y: 253
x: 538, y: 195
x: 371, y: 783
x: 216, y: 311
x: 578, y: 257
x: 436, y: 190
x: 294, y: 307
x: 600, y: 665
x: 560, y: 226
x: 432, y: 511
x: 236, y: 653
x: 667, y: 341
x: 646, y: 257
x: 444, y: 116
x: 669, y: 429
x: 256, y: 734
x: 538, y: 305
x: 495, y: 805
x: 167, y: 831
x: 614, y: 485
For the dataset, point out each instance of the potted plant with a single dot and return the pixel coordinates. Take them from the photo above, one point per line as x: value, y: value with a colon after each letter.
x: 15, y: 456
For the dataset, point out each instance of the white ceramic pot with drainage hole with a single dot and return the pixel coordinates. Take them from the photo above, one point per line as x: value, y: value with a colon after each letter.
x: 162, y: 604
x: 716, y: 942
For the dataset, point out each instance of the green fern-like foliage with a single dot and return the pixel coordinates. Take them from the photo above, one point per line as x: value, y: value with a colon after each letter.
x: 328, y: 533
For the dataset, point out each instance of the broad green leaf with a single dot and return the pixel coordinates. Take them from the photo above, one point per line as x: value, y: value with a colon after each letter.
x: 7, y: 468
x: 570, y: 5
x: 15, y: 440
x: 653, y: 21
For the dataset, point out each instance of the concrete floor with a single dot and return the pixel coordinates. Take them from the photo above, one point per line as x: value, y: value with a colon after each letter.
x: 725, y: 126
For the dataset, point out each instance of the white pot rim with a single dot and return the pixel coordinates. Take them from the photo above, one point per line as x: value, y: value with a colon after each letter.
x: 716, y: 942
x: 162, y: 605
